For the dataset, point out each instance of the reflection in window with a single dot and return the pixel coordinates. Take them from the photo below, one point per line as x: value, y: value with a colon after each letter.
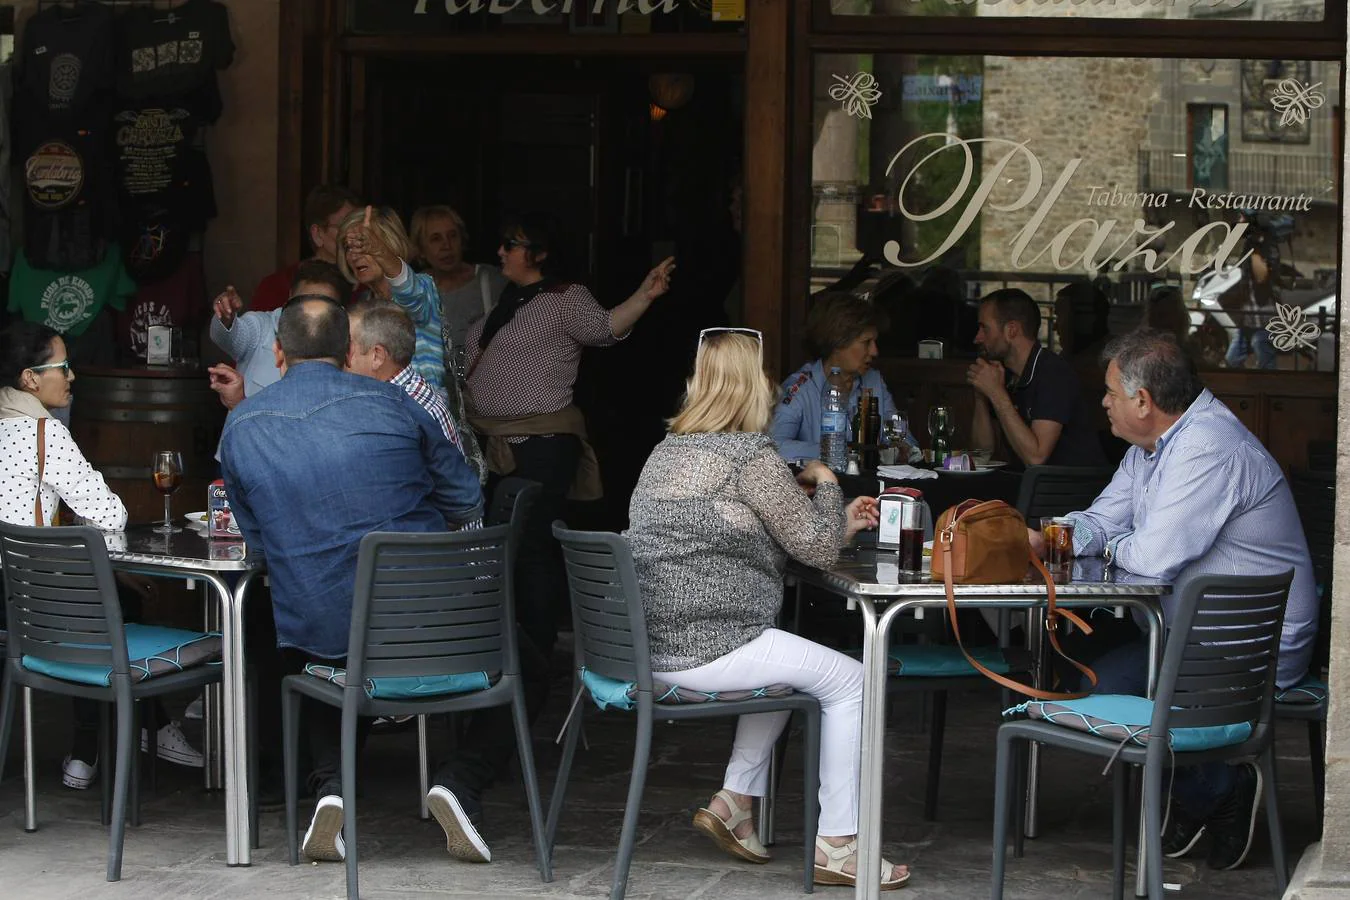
x: 1252, y: 10
x: 965, y: 173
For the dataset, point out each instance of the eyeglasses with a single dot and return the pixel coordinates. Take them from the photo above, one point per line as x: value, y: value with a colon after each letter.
x: 748, y: 332
x: 509, y: 244
x: 63, y: 364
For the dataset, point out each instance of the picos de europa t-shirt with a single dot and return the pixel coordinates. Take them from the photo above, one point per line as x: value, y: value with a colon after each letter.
x: 68, y: 301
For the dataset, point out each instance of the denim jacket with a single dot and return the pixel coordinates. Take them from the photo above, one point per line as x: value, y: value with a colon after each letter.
x: 314, y: 463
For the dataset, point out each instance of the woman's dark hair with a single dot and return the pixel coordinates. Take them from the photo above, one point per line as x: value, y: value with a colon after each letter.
x: 22, y: 346
x: 838, y: 319
x: 540, y: 233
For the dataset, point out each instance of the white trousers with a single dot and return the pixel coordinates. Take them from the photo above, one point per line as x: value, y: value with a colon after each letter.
x: 836, y: 680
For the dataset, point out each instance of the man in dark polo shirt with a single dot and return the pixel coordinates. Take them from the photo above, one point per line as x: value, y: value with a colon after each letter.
x: 1025, y: 392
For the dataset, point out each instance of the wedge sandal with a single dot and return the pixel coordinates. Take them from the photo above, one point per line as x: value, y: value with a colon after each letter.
x: 837, y: 857
x: 723, y: 831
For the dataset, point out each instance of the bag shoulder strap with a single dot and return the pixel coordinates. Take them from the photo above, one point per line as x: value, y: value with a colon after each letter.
x: 1052, y: 616
x: 42, y: 455
x: 485, y: 287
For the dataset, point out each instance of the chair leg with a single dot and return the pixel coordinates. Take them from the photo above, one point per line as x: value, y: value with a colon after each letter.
x: 1277, y: 852
x: 1021, y: 759
x: 1317, y: 757
x: 423, y: 769
x: 136, y: 765
x: 939, y: 726
x: 555, y: 803
x: 29, y: 765
x: 128, y: 748
x: 636, y: 782
x: 1006, y: 761
x: 525, y: 752
x: 150, y: 721
x: 7, y: 691
x: 1153, y: 857
x: 349, y: 802
x: 290, y: 715
x: 810, y: 795
x: 1120, y: 800
x: 105, y: 755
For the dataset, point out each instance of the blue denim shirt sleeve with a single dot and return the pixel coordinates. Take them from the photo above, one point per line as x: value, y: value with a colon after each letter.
x: 796, y: 417
x: 239, y: 507
x: 456, y: 493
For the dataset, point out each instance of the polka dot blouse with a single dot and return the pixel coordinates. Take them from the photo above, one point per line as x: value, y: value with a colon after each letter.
x: 66, y: 475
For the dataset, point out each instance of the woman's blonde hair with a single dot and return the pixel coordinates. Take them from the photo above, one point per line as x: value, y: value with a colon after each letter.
x: 417, y: 225
x: 386, y: 224
x: 728, y: 390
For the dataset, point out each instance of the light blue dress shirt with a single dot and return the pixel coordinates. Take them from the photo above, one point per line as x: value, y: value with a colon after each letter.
x: 1209, y: 500
x: 796, y: 418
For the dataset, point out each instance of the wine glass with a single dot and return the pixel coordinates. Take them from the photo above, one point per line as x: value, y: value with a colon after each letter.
x: 167, y: 470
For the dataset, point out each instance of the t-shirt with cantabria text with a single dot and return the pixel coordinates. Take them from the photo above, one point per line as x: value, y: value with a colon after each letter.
x: 68, y: 301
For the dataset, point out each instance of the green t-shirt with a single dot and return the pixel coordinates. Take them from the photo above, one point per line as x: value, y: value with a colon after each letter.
x: 68, y: 301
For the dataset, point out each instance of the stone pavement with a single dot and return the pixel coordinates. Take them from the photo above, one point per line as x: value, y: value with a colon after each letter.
x: 179, y: 849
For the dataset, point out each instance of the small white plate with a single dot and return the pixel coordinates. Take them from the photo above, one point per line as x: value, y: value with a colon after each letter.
x: 992, y: 464
x: 197, y: 518
x: 962, y: 472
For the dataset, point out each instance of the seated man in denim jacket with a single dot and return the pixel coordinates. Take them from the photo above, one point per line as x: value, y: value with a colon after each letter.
x: 297, y: 462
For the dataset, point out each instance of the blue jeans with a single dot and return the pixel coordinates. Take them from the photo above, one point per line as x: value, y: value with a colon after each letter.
x: 1199, y: 789
x: 1244, y: 342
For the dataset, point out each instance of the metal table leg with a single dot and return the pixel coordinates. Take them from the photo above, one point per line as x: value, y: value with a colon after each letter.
x: 876, y: 638
x: 238, y: 846
x: 30, y: 764
x: 1037, y: 645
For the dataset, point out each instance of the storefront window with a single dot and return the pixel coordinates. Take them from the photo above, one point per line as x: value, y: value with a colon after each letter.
x: 1240, y: 10
x: 1200, y: 195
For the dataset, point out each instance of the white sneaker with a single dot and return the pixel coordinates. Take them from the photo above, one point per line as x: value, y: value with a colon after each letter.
x: 194, y: 709
x: 462, y: 839
x: 323, y: 840
x: 78, y: 774
x: 172, y: 746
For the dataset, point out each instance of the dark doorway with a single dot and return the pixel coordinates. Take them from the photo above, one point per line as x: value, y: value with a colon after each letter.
x: 628, y: 181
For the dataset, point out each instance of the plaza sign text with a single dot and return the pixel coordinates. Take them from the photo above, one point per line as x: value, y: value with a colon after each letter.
x: 1120, y: 245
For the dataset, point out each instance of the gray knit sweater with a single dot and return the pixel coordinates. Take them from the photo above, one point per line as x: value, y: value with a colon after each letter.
x: 712, y: 520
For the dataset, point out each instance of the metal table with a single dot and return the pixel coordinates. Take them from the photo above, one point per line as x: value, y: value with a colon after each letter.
x: 190, y: 556
x: 870, y: 581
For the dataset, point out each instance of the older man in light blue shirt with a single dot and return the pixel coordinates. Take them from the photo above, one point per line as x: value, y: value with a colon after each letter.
x: 1196, y: 494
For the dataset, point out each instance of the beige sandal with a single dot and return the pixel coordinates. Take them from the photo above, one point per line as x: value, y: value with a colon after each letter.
x: 837, y: 857
x: 723, y: 831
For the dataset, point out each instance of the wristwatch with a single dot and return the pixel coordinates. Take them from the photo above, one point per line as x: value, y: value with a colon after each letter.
x: 1109, y: 553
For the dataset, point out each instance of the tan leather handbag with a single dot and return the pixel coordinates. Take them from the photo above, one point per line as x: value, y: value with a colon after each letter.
x: 985, y: 542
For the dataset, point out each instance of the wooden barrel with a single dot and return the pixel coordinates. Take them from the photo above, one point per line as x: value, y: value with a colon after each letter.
x: 120, y: 417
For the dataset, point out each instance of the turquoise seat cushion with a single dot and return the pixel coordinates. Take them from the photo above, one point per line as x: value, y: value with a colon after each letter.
x: 151, y: 650
x: 407, y: 687
x: 1120, y: 717
x: 609, y: 693
x: 942, y: 661
x: 1306, y: 692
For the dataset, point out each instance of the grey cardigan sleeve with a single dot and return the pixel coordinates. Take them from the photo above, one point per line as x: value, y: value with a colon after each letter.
x: 809, y: 529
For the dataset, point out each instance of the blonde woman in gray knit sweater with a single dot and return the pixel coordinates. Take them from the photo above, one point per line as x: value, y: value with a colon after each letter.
x: 714, y: 517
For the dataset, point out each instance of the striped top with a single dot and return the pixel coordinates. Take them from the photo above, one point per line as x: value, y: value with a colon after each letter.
x: 1208, y: 500
x: 416, y: 293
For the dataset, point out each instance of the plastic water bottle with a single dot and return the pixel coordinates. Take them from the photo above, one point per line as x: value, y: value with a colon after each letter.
x: 834, y: 423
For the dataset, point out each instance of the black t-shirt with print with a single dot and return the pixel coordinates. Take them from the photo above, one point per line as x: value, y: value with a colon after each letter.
x: 67, y: 66
x: 175, y: 54
x: 1048, y: 389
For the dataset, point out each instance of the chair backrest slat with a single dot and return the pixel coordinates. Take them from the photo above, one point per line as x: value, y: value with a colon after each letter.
x: 607, y: 616
x: 1056, y: 490
x: 437, y: 604
x: 60, y: 592
x: 1222, y: 652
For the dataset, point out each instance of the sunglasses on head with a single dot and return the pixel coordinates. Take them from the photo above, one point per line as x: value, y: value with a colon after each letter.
x: 64, y: 365
x: 748, y: 332
x: 509, y: 244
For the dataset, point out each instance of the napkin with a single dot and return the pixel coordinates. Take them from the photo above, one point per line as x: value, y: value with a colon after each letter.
x: 905, y: 473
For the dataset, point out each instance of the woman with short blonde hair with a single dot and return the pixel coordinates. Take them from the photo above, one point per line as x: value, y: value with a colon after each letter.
x: 714, y: 516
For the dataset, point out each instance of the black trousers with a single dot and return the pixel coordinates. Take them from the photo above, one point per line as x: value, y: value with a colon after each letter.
x: 541, y: 585
x: 321, y: 727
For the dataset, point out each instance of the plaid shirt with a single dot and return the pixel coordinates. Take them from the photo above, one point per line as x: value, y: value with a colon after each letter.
x: 427, y: 397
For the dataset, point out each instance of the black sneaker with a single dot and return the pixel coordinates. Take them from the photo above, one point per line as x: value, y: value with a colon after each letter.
x: 1181, y: 831
x: 1234, y: 821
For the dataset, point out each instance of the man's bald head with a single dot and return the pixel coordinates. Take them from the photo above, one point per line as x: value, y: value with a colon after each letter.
x: 313, y: 329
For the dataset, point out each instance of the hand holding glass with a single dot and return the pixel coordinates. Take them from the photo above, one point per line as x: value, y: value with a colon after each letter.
x: 167, y: 471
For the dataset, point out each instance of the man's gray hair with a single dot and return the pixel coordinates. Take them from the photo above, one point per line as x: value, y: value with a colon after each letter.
x: 1152, y: 359
x: 387, y: 325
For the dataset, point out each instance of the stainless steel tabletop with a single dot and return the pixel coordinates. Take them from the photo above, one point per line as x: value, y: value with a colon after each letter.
x: 875, y: 574
x: 187, y: 549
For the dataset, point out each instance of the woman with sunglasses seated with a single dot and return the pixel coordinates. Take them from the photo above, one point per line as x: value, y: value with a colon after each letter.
x: 714, y: 516
x: 522, y: 364
x: 35, y: 378
x: 843, y: 331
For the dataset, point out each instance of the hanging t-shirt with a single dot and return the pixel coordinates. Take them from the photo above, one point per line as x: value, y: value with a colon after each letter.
x: 178, y: 300
x: 68, y: 301
x: 68, y: 60
x: 175, y: 54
